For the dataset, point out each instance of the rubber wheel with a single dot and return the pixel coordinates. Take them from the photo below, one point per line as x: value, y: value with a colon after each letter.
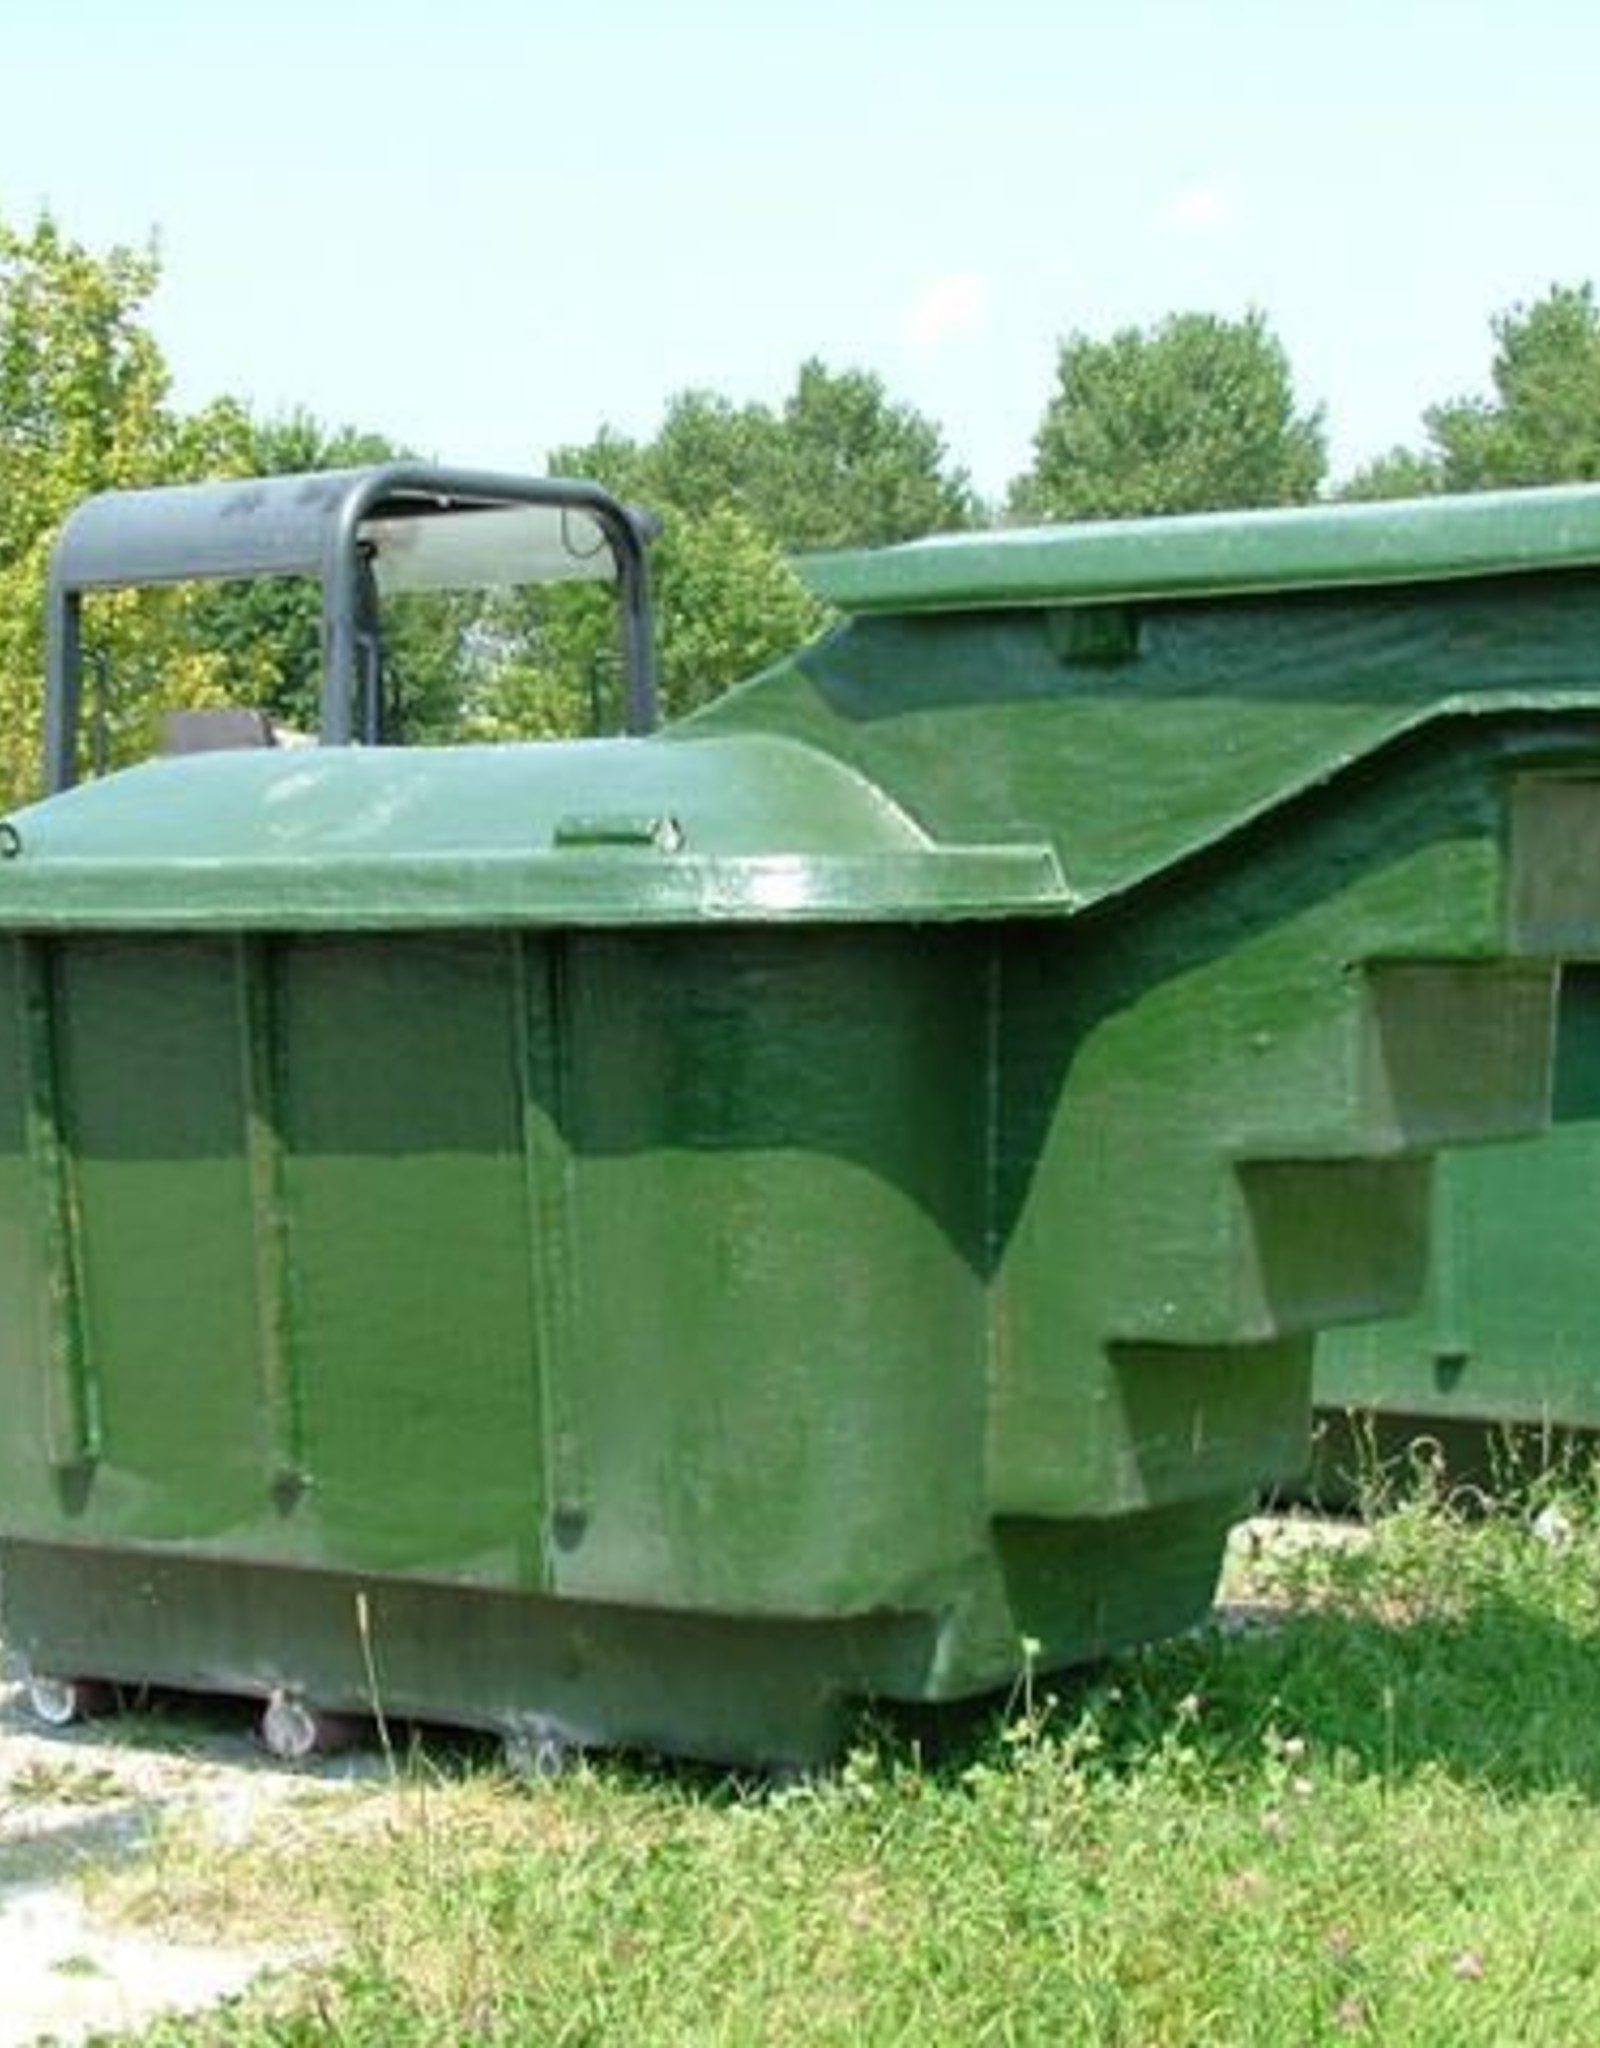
x: 537, y: 1753
x: 292, y: 1730
x: 64, y: 1702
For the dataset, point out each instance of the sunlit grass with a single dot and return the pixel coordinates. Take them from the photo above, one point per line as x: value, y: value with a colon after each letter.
x: 1374, y: 1818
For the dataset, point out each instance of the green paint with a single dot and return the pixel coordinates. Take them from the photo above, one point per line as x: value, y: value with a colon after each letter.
x: 73, y: 1401
x: 1229, y: 554
x: 262, y: 1105
x: 1503, y: 1346
x: 821, y: 1196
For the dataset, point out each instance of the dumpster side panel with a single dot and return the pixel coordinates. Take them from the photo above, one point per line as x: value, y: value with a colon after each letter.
x: 412, y: 1314
x: 151, y: 1073
x: 647, y: 1268
x: 125, y: 1220
x: 273, y: 1201
x: 31, y: 1443
x: 777, y: 1362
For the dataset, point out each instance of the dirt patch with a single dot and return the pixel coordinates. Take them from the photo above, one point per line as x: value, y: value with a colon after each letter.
x: 80, y: 1803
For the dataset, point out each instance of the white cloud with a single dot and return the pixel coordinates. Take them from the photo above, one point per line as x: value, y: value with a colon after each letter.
x: 1206, y: 209
x: 949, y: 305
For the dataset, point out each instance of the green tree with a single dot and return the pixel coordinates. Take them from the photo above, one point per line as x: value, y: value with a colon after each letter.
x: 726, y: 604
x: 83, y: 408
x: 1542, y: 425
x: 709, y: 453
x: 849, y: 467
x: 839, y: 464
x: 1399, y: 473
x: 737, y: 488
x: 1195, y: 414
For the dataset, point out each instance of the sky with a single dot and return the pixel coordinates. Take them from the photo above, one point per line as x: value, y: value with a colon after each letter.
x: 488, y: 227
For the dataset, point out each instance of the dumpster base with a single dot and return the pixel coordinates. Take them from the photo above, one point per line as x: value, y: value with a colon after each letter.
x: 564, y: 1673
x: 757, y: 1690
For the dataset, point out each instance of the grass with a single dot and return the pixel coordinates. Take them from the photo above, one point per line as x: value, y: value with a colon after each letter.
x: 1374, y: 1820
x: 63, y: 1784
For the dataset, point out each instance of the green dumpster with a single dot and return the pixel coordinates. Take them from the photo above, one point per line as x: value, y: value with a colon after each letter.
x: 649, y: 1241
x: 1495, y: 1380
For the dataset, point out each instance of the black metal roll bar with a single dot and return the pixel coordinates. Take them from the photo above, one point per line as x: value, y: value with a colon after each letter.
x: 312, y: 525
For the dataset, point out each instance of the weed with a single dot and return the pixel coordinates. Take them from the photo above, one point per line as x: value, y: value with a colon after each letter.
x: 78, y: 1966
x: 63, y: 1784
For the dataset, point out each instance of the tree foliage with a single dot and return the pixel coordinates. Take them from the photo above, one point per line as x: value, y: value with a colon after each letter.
x: 1398, y: 473
x: 1540, y: 425
x: 848, y: 467
x: 1195, y: 414
x: 839, y: 464
x: 737, y: 488
x: 726, y: 605
x: 83, y: 408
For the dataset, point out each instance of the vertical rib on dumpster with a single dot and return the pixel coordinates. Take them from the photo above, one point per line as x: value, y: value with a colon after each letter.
x: 538, y: 983
x: 75, y: 1422
x: 263, y: 1116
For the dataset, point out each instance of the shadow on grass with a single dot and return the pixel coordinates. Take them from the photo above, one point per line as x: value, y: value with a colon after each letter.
x: 1501, y: 1696
x: 63, y: 1846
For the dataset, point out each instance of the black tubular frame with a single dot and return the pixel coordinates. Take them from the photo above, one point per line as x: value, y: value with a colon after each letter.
x: 308, y: 525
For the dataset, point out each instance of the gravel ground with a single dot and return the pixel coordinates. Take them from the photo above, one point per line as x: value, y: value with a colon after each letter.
x: 82, y: 1801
